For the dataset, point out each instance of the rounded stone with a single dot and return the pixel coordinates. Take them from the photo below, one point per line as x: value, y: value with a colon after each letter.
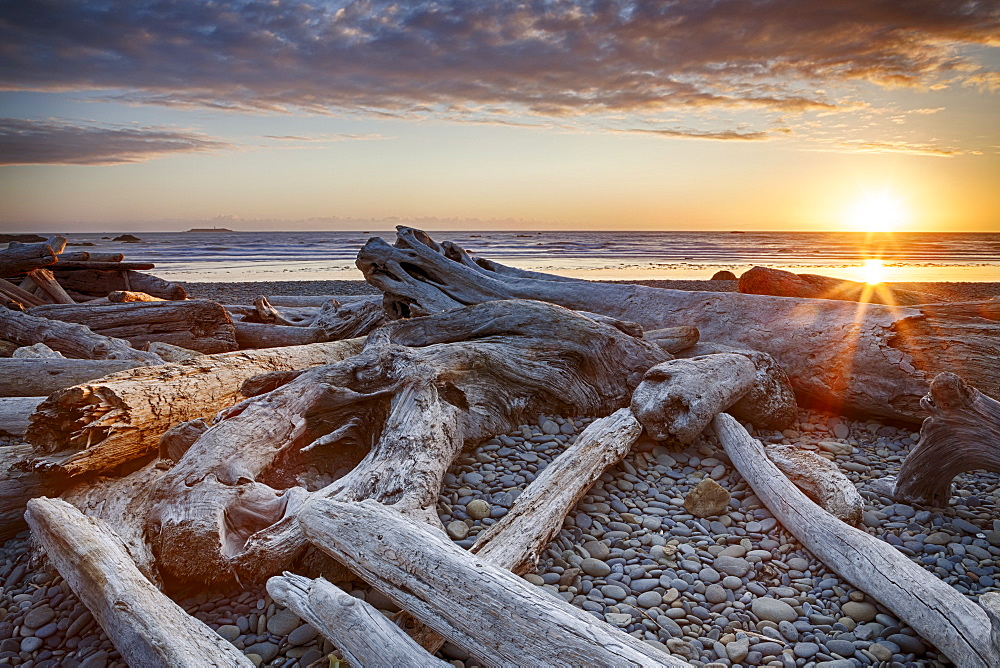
x: 715, y: 593
x: 907, y: 644
x: 282, y: 622
x: 649, y: 599
x: 806, y: 650
x: 773, y: 610
x: 595, y: 567
x: 880, y: 652
x: 47, y: 630
x: 457, y: 530
x: 478, y: 509
x: 859, y: 611
x: 229, y: 632
x: 707, y: 499
x: 302, y: 635
x: 738, y: 650
x: 735, y: 566
x: 39, y: 616
x: 614, y: 591
x: 732, y: 582
x: 31, y: 643
x: 841, y: 647
x: 709, y: 575
x: 265, y: 650
x: 597, y: 549
x: 550, y: 427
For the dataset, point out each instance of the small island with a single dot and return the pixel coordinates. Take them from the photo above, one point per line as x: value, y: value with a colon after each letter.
x: 210, y: 229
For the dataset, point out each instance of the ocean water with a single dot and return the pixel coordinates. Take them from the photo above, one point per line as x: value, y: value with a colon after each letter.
x: 320, y: 255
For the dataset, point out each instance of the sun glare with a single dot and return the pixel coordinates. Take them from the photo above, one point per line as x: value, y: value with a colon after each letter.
x: 873, y: 272
x: 877, y: 212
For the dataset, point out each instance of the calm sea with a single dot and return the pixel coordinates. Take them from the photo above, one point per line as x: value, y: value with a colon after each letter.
x: 267, y: 256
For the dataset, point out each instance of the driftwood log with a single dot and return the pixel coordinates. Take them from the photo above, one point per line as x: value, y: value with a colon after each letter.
x: 489, y: 612
x: 125, y: 296
x: 95, y: 427
x: 961, y: 434
x: 72, y: 339
x: 673, y: 339
x: 99, y: 282
x: 364, y: 635
x: 877, y: 360
x: 43, y: 278
x: 197, y: 324
x: 17, y: 487
x: 40, y: 377
x: 19, y: 258
x: 18, y: 295
x: 146, y: 627
x: 15, y: 414
x: 390, y: 421
x: 781, y: 283
x: 263, y: 335
x: 956, y: 626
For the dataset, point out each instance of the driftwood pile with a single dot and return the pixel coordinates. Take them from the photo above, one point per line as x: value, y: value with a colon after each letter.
x: 184, y: 438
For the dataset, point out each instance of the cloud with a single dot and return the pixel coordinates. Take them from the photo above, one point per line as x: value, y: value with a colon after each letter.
x: 910, y: 148
x: 702, y: 134
x: 555, y: 58
x: 28, y: 142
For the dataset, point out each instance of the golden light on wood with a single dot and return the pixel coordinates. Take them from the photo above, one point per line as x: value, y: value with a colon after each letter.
x: 873, y: 271
x: 877, y: 211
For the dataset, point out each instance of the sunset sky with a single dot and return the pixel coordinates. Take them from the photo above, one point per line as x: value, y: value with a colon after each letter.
x: 688, y: 115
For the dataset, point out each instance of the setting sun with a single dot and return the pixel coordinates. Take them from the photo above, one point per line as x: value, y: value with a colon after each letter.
x: 873, y: 272
x: 877, y: 212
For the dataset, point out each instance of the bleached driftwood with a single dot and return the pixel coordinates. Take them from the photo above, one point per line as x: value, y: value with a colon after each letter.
x: 43, y: 278
x: 125, y: 296
x: 270, y: 315
x: 673, y: 339
x: 40, y: 377
x: 317, y: 301
x: 356, y: 318
x: 90, y: 256
x: 72, y: 339
x: 961, y: 434
x: 781, y: 283
x: 485, y: 610
x: 678, y: 399
x: 263, y: 335
x: 99, y: 282
x: 39, y: 351
x: 956, y: 626
x: 15, y: 414
x: 146, y: 627
x: 394, y: 416
x: 197, y: 324
x: 19, y: 258
x: 821, y: 480
x: 516, y: 541
x: 770, y: 402
x: 95, y: 427
x: 172, y: 353
x: 876, y: 360
x: 17, y: 485
x: 364, y: 635
x: 18, y: 295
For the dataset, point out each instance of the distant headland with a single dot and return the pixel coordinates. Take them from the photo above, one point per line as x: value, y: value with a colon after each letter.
x: 210, y: 229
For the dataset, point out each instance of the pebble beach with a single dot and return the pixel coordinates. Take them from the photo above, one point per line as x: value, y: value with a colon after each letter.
x: 732, y: 588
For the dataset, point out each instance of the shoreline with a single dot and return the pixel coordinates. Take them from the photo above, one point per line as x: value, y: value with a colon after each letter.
x: 246, y: 291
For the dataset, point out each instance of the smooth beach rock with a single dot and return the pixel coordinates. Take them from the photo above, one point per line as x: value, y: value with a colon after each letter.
x: 707, y: 499
x: 594, y: 567
x: 772, y: 609
x: 859, y: 611
x: 724, y: 275
x: 478, y: 509
x: 457, y: 530
x: 678, y: 398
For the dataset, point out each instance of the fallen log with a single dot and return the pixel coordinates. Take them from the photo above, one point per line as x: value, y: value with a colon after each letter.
x: 96, y: 427
x: 389, y: 421
x: 781, y: 283
x: 678, y: 399
x: 15, y: 414
x: 41, y: 377
x: 316, y: 301
x: 170, y: 352
x: 988, y: 309
x: 100, y: 282
x: 874, y: 360
x: 43, y: 278
x: 364, y: 636
x: 263, y: 335
x: 17, y: 293
x: 961, y: 434
x: 956, y: 626
x: 516, y: 542
x: 196, y: 324
x: 19, y: 258
x: 487, y: 611
x: 126, y: 296
x: 673, y: 339
x: 102, y: 266
x: 345, y: 321
x: 146, y: 627
x: 72, y: 339
x: 36, y: 351
x: 16, y: 487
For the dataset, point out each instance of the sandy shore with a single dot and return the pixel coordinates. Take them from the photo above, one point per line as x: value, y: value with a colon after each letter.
x: 244, y: 293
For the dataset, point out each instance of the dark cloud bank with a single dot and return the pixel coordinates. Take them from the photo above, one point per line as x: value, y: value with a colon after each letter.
x: 551, y: 58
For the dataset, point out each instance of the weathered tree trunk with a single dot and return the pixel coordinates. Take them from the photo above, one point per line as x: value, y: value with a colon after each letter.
x: 961, y: 434
x: 18, y: 294
x: 15, y: 414
x: 957, y: 627
x: 196, y: 324
x: 678, y: 399
x: 16, y: 487
x: 673, y: 339
x: 317, y: 301
x: 485, y: 610
x: 101, y: 282
x: 263, y: 335
x: 146, y: 627
x: 84, y: 256
x: 344, y: 321
x: 871, y: 359
x: 41, y: 377
x: 125, y: 296
x: 781, y: 283
x: 96, y: 427
x: 821, y: 480
x: 393, y: 418
x: 43, y: 278
x: 364, y: 635
x: 89, y: 265
x: 19, y: 258
x: 74, y: 340
x: 515, y: 542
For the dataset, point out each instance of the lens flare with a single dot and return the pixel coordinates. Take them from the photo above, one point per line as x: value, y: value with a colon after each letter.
x: 873, y: 271
x: 877, y: 211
